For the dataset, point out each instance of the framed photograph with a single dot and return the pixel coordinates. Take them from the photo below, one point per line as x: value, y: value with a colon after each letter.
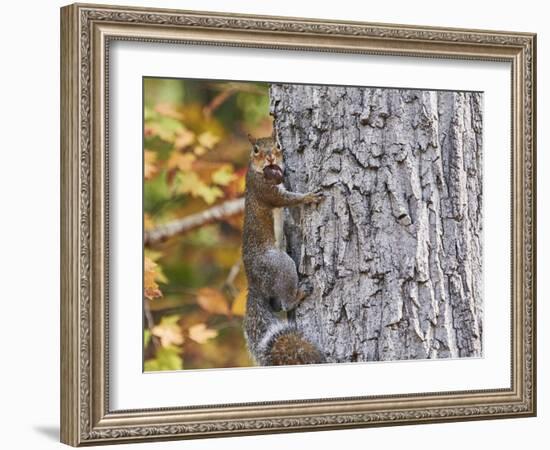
x: 275, y: 224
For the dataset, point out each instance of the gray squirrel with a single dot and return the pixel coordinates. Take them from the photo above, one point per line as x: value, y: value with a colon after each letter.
x: 271, y: 273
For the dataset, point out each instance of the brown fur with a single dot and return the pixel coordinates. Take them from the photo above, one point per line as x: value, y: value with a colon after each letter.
x: 271, y: 273
x: 294, y: 349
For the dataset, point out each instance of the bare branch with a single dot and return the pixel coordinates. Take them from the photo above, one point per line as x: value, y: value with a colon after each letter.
x: 229, y: 282
x: 217, y: 101
x: 222, y: 211
x: 149, y: 325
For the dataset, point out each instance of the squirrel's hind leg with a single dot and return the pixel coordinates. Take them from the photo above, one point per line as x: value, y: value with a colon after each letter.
x: 282, y: 286
x: 305, y: 289
x: 282, y: 289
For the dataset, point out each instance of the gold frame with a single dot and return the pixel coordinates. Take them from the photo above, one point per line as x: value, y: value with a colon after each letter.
x: 86, y: 31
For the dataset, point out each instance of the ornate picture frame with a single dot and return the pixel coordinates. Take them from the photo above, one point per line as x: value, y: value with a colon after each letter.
x: 87, y: 31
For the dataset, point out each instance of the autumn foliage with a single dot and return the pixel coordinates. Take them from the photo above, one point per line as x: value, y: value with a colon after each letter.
x: 195, y: 157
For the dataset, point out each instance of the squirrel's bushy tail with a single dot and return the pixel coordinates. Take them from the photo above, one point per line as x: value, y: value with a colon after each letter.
x: 273, y: 341
x: 283, y: 344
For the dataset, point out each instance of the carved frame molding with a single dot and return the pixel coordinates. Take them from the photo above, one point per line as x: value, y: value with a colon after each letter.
x: 86, y: 31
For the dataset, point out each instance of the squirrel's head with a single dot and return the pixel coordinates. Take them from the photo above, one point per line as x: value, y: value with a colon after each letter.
x: 266, y: 157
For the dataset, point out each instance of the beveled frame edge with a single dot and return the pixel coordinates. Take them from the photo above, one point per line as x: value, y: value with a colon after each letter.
x: 85, y: 33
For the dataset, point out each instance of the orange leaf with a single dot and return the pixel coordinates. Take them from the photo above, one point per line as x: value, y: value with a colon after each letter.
x: 184, y: 138
x: 169, y: 110
x: 149, y: 167
x: 238, y: 307
x: 224, y: 175
x: 200, y: 150
x: 208, y: 140
x: 213, y: 301
x: 182, y: 161
x: 200, y: 333
x: 150, y: 274
x: 148, y: 223
x: 168, y: 331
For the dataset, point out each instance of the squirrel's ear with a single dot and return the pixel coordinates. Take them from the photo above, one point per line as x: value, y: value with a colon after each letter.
x: 252, y: 139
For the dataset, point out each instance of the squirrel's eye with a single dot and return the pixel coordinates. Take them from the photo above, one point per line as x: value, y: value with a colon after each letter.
x: 256, y: 150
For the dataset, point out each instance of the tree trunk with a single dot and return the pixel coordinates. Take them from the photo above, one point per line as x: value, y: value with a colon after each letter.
x: 395, y: 250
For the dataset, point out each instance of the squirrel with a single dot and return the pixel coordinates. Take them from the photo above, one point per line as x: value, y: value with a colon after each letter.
x: 271, y: 273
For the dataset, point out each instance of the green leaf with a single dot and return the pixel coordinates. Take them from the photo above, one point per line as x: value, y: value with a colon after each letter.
x: 170, y: 320
x: 167, y: 358
x: 151, y: 365
x: 224, y: 175
x: 149, y: 114
x: 155, y: 193
x: 208, y: 193
x: 190, y: 183
x: 146, y: 337
x: 254, y: 107
x: 166, y: 128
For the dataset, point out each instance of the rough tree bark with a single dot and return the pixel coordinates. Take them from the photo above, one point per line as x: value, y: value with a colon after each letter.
x: 395, y: 250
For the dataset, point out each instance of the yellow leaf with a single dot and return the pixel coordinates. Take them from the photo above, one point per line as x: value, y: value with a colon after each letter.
x: 241, y: 187
x: 154, y: 256
x: 200, y: 333
x: 199, y: 150
x: 208, y: 194
x: 224, y: 175
x: 166, y: 358
x: 238, y: 308
x: 213, y: 301
x: 190, y: 183
x: 150, y: 274
x: 166, y: 128
x: 184, y: 138
x: 208, y: 139
x: 181, y: 161
x: 169, y: 110
x: 168, y: 331
x: 187, y: 182
x: 148, y: 223
x: 149, y: 166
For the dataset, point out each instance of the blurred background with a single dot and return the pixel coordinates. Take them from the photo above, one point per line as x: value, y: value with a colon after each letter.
x: 195, y: 158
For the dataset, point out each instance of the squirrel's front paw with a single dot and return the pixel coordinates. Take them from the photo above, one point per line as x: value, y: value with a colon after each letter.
x: 305, y: 288
x: 315, y: 196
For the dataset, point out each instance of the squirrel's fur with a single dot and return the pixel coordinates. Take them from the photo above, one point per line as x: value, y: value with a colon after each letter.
x: 271, y: 273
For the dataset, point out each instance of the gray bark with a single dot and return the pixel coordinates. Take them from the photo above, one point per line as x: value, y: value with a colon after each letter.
x: 395, y: 250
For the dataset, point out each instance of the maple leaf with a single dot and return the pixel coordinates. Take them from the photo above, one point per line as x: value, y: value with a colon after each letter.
x: 150, y: 274
x: 165, y: 128
x: 199, y: 150
x: 208, y: 140
x: 181, y: 161
x: 213, y: 301
x: 169, y: 110
x: 190, y: 183
x: 149, y: 167
x: 237, y: 186
x: 166, y: 358
x: 208, y: 193
x: 184, y: 138
x: 185, y: 182
x: 168, y: 331
x: 238, y: 308
x: 200, y: 333
x: 155, y: 256
x: 148, y: 223
x: 224, y: 175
